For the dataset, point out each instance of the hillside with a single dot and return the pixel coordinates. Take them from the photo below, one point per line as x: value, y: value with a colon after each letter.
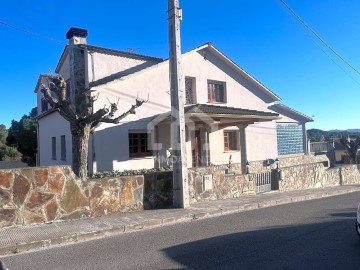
x: 316, y: 135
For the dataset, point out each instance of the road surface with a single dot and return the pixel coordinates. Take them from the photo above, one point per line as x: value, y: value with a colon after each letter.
x: 317, y: 234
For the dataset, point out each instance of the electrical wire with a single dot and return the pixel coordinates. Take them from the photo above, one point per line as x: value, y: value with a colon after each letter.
x: 319, y: 37
x: 311, y: 37
x: 24, y: 30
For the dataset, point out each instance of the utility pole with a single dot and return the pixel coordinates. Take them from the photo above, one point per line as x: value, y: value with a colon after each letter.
x: 177, y: 87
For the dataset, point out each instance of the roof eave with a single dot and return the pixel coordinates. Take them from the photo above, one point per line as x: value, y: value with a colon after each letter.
x: 305, y: 118
x: 48, y: 112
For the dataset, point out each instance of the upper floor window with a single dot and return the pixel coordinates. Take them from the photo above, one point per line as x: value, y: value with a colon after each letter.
x: 231, y: 140
x: 190, y: 88
x: 216, y: 92
x: 138, y: 145
x: 44, y: 105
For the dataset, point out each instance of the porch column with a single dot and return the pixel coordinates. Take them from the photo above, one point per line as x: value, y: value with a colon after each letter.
x: 190, y: 142
x: 243, y: 152
x: 204, y: 138
x: 155, y: 146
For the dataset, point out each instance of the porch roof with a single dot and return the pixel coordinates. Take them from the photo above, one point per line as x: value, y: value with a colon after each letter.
x: 222, y: 110
x: 220, y: 114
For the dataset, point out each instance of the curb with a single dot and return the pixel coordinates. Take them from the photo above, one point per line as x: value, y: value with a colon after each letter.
x: 163, y: 221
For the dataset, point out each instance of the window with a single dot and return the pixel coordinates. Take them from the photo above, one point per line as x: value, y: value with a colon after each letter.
x: 53, y: 148
x: 190, y: 90
x: 138, y: 145
x: 290, y: 138
x: 63, y: 148
x: 216, y: 92
x: 231, y: 140
x: 44, y: 105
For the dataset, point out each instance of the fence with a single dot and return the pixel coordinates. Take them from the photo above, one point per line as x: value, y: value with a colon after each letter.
x: 262, y: 181
x: 320, y: 147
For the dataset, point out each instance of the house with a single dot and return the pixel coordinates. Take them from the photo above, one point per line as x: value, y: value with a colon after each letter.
x: 229, y: 114
x: 341, y: 154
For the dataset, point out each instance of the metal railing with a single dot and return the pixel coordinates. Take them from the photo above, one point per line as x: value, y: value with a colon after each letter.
x: 262, y: 181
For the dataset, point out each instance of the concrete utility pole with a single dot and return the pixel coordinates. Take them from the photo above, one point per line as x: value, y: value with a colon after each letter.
x: 177, y: 87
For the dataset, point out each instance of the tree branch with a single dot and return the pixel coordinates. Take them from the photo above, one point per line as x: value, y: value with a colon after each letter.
x: 130, y: 111
x: 58, y: 85
x: 95, y: 117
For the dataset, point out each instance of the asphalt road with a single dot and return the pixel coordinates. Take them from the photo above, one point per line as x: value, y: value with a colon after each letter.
x: 317, y: 234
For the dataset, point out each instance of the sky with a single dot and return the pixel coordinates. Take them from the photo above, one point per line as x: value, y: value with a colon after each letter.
x: 261, y: 36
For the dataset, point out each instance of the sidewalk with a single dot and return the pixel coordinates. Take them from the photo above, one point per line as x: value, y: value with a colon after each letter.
x: 21, y: 238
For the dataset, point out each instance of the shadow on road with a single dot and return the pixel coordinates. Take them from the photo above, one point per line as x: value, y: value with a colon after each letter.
x: 326, y: 245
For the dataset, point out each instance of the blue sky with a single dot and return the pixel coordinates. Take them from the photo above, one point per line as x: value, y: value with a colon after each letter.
x: 259, y: 35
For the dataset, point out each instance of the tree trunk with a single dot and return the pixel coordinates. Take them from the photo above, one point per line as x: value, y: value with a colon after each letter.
x: 80, y: 150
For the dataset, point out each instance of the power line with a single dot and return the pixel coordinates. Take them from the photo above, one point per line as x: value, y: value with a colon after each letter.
x: 311, y: 37
x: 319, y: 37
x: 24, y: 30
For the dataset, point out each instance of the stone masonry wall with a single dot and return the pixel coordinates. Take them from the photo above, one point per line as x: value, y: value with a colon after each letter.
x: 287, y: 161
x: 306, y: 177
x: 45, y: 194
x: 318, y: 176
x: 216, y: 182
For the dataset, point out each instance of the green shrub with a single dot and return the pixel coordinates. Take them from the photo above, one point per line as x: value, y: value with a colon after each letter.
x: 117, y: 173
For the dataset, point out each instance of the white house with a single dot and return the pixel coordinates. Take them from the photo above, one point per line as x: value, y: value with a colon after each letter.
x: 229, y: 114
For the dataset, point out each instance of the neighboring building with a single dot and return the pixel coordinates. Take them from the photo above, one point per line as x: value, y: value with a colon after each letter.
x: 229, y: 114
x: 340, y: 151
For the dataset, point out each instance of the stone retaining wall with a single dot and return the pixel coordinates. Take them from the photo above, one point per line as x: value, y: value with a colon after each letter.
x: 216, y: 182
x: 318, y: 176
x: 287, y: 161
x: 222, y: 182
x: 45, y: 194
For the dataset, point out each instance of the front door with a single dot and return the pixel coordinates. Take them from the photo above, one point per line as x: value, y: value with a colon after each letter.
x: 196, y: 152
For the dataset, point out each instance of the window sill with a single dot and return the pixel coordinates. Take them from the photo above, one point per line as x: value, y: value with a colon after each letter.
x: 216, y: 102
x: 144, y: 157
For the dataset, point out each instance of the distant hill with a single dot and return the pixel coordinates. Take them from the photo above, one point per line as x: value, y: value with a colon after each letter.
x: 354, y: 130
x: 316, y: 135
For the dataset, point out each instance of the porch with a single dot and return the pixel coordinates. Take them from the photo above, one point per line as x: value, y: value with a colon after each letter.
x: 214, y: 135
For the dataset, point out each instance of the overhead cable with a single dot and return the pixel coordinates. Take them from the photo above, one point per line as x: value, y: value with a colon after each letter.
x: 21, y: 29
x: 319, y: 37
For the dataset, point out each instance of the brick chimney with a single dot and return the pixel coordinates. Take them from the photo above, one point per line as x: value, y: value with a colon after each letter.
x: 76, y: 36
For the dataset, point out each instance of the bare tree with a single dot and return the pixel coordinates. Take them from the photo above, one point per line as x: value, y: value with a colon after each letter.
x: 83, y: 120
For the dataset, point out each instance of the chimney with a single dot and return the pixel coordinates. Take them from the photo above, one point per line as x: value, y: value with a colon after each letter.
x: 76, y: 36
